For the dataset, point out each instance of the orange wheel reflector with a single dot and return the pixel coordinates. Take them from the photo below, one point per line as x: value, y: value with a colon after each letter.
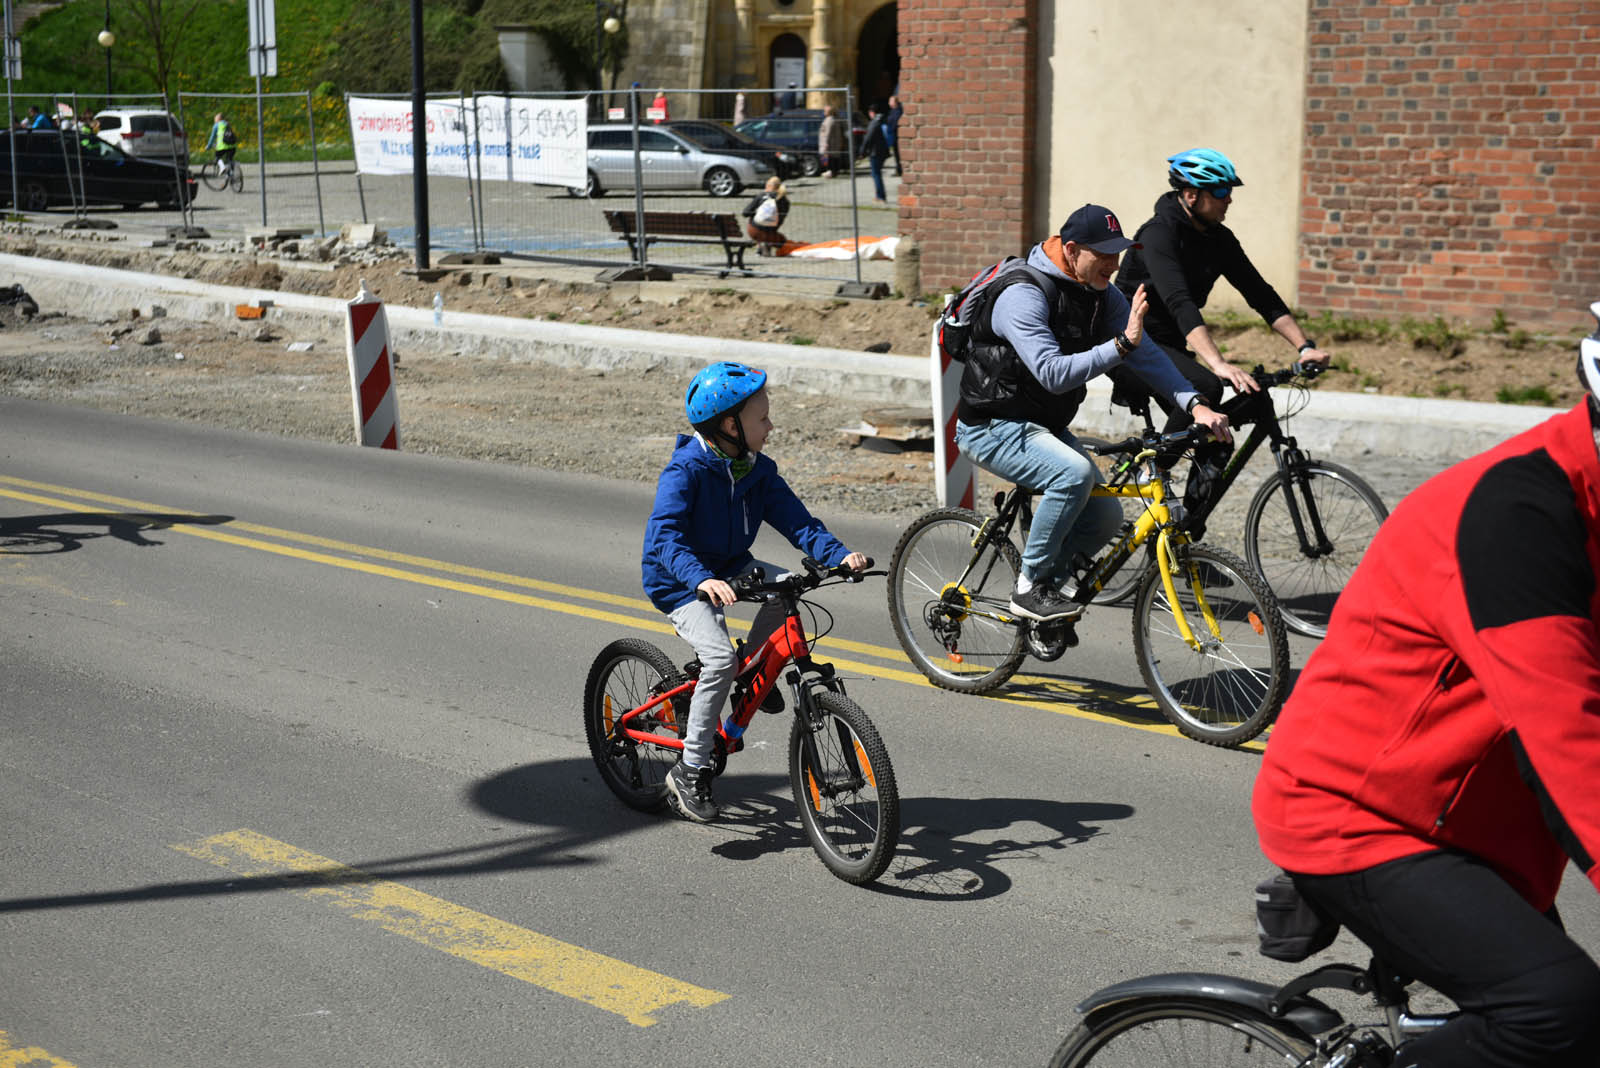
x: 957, y: 658
x: 611, y: 721
x: 816, y: 795
x: 866, y: 765
x: 669, y: 716
x: 1256, y: 624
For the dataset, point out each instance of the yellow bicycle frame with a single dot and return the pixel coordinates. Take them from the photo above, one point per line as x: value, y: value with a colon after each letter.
x: 1156, y: 517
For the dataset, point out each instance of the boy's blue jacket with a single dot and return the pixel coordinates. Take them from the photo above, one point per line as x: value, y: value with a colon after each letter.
x: 703, y: 522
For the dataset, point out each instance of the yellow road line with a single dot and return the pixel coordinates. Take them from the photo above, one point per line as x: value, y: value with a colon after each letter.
x: 28, y: 1056
x: 612, y: 985
x: 1048, y: 701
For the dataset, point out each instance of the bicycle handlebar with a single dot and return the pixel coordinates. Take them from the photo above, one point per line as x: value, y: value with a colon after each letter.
x: 1265, y: 378
x: 1152, y: 439
x: 753, y: 584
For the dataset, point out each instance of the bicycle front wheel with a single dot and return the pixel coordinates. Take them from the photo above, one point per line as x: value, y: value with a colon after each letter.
x: 1226, y: 682
x: 211, y: 176
x: 950, y: 611
x: 1348, y: 512
x: 625, y: 675
x: 844, y: 787
x: 1173, y: 1033
x: 236, y: 177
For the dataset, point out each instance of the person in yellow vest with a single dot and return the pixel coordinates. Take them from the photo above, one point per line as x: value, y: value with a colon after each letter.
x: 224, y: 140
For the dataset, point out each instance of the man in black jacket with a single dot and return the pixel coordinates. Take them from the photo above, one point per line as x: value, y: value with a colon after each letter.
x: 1181, y: 252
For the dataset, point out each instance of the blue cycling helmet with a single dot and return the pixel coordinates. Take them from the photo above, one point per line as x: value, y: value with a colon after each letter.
x: 1199, y: 168
x: 720, y: 390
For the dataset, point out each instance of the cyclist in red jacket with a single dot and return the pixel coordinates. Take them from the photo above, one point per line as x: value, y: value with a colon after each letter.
x: 1435, y: 768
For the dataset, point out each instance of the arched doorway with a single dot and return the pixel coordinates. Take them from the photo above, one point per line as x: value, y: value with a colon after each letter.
x: 787, y: 67
x: 878, y: 71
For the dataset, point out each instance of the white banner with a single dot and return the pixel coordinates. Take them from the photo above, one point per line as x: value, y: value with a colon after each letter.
x: 523, y: 139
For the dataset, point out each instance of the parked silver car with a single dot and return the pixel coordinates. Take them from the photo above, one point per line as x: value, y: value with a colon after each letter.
x: 668, y: 160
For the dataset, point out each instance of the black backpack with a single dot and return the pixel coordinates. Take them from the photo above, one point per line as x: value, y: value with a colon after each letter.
x: 229, y: 137
x: 967, y: 315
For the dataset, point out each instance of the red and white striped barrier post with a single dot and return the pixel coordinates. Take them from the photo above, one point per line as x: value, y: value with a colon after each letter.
x: 366, y: 336
x: 954, y: 478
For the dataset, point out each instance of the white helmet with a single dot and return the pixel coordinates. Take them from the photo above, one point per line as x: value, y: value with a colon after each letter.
x: 1589, y: 356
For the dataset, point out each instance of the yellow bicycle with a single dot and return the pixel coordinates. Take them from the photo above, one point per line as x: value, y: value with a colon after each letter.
x: 1209, y: 638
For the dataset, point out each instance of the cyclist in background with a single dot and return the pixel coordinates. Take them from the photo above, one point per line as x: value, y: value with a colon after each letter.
x: 225, y: 140
x: 1434, y: 769
x: 1044, y: 334
x: 1183, y: 249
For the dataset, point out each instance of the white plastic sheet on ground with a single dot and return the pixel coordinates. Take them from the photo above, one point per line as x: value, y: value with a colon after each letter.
x: 872, y: 248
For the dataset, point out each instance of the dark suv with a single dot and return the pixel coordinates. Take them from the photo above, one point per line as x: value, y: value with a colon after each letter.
x: 51, y: 164
x: 797, y: 130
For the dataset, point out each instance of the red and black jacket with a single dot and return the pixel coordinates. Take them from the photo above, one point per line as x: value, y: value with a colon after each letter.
x: 1455, y: 702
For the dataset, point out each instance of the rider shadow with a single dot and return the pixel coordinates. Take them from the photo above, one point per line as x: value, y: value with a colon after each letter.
x: 951, y: 848
x: 37, y: 534
x: 1125, y: 704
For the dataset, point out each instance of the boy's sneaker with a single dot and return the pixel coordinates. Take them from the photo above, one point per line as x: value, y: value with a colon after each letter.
x: 1041, y: 603
x: 689, y: 792
x: 772, y: 704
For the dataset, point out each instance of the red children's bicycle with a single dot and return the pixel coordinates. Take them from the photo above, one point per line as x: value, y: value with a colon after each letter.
x: 636, y: 706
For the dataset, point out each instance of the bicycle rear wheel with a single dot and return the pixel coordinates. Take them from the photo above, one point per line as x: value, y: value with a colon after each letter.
x: 848, y: 802
x: 957, y: 632
x: 1225, y: 689
x: 1173, y: 1033
x: 1306, y: 585
x: 211, y: 176
x: 624, y: 676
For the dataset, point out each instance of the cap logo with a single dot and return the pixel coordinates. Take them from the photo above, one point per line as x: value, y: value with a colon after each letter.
x: 1114, y: 226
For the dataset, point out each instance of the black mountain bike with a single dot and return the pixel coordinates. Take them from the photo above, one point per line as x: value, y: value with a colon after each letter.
x: 1307, y: 526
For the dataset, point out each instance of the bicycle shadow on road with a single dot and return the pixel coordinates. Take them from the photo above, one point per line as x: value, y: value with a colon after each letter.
x: 38, y: 534
x: 951, y: 847
x: 1123, y: 703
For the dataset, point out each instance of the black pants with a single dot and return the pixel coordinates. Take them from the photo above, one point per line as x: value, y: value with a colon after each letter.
x: 1529, y: 996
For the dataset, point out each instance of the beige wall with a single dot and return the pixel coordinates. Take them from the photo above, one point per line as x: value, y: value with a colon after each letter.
x: 1124, y: 85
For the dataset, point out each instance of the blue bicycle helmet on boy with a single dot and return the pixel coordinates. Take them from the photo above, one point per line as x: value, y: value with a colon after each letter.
x: 720, y: 390
x: 1200, y: 168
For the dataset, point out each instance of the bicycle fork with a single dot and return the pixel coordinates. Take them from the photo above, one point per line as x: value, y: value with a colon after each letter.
x: 858, y: 768
x: 1292, y: 463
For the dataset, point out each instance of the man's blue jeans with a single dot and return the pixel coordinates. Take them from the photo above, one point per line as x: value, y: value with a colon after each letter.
x: 875, y: 164
x: 1066, y: 520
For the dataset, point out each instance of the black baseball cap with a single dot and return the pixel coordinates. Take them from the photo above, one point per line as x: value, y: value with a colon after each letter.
x: 1096, y: 227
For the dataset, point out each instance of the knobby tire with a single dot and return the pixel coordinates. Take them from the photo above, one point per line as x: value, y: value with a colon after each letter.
x: 626, y: 671
x: 849, y: 804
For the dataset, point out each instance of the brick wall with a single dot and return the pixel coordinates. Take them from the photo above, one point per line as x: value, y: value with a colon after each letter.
x: 967, y: 71
x: 1450, y: 160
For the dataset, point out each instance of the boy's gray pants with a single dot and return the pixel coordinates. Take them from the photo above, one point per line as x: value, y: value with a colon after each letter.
x: 705, y: 628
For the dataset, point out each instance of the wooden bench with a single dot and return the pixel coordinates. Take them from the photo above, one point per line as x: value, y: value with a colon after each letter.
x: 685, y: 227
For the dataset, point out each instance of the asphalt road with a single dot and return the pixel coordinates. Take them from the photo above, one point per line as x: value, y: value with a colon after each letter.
x: 293, y: 774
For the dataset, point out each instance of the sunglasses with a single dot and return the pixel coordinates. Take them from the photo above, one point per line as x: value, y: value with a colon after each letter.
x: 1221, y: 192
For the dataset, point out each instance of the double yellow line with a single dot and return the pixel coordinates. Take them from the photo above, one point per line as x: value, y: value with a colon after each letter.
x: 1049, y: 694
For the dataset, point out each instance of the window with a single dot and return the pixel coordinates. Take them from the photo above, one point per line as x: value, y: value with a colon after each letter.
x: 110, y: 122
x: 656, y: 141
x: 610, y: 139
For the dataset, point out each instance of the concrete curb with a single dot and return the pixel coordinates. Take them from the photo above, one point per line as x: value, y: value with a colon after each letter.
x: 1333, y: 424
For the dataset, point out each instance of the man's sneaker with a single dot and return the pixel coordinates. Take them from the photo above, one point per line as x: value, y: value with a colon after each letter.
x: 689, y: 792
x: 1042, y: 603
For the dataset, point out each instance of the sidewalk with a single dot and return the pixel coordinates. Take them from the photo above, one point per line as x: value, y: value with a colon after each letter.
x: 1335, y: 424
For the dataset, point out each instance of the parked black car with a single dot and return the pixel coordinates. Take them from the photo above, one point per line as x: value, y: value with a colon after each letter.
x: 61, y: 167
x: 785, y: 164
x: 797, y: 130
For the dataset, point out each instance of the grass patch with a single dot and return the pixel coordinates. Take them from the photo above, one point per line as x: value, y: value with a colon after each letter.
x: 1524, y: 395
x: 1329, y: 328
x: 1434, y: 334
x: 798, y: 340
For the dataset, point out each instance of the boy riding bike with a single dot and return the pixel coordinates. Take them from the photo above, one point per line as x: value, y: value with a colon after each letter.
x: 1434, y: 769
x: 711, y: 499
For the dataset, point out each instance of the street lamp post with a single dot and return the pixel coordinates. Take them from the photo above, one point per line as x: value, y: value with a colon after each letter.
x: 606, y: 21
x: 107, y: 39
